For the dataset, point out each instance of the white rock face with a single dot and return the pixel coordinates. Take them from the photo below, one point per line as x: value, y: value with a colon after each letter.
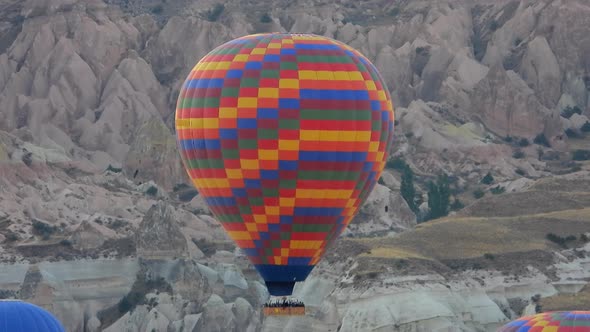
x: 232, y: 276
x: 432, y: 132
x: 384, y: 211
x: 509, y: 108
x: 156, y: 321
x: 477, y: 301
x: 520, y: 26
x: 541, y: 71
x: 159, y: 236
x: 71, y: 289
x: 90, y: 235
x: 578, y: 121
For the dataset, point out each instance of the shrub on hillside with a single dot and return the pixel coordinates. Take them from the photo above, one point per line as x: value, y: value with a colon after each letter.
x: 214, y: 14
x: 571, y: 133
x: 114, y: 169
x: 562, y: 241
x: 581, y: 155
x: 523, y: 142
x: 457, y: 205
x: 265, y: 18
x: 487, y: 179
x: 497, y: 190
x: 541, y: 140
x: 43, y: 229
x: 569, y: 111
x: 478, y: 193
x: 152, y: 191
x: 518, y: 154
x: 140, y: 288
x: 157, y: 9
x: 396, y: 163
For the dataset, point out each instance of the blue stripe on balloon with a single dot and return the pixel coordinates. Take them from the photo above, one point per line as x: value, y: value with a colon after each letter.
x: 320, y: 212
x: 201, y: 83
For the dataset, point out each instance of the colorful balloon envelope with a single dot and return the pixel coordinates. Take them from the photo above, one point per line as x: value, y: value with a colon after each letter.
x: 19, y: 316
x: 556, y: 321
x: 284, y: 136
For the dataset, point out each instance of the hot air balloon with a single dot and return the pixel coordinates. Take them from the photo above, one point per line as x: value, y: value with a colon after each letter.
x: 19, y: 316
x: 285, y: 136
x: 555, y: 321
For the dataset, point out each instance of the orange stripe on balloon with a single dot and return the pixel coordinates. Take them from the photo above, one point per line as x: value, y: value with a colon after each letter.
x: 312, y: 202
x: 332, y: 85
x: 246, y: 244
x: 302, y: 252
x: 334, y: 146
x: 325, y: 184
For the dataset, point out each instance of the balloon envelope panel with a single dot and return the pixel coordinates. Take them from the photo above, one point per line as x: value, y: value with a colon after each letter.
x: 559, y: 321
x: 285, y: 136
x: 18, y: 316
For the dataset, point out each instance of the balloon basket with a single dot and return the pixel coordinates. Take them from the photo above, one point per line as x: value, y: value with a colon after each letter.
x: 284, y: 308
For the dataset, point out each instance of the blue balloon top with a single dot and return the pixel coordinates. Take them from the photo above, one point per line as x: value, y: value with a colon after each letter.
x: 18, y: 316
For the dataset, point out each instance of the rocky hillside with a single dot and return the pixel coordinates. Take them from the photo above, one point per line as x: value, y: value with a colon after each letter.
x: 98, y: 222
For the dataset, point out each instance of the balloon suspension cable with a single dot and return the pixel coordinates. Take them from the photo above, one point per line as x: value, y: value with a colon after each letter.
x: 284, y: 306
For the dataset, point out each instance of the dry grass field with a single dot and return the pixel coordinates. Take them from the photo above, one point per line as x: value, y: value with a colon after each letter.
x: 506, y: 231
x: 579, y: 301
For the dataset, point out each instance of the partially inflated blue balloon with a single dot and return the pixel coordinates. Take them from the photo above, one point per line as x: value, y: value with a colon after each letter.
x: 19, y: 316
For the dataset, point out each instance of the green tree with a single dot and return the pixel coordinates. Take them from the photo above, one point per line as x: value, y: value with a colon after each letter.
x: 569, y: 111
x: 439, y: 195
x: 265, y: 18
x: 214, y: 14
x: 457, y: 205
x: 407, y: 188
x: 581, y: 155
x: 445, y: 194
x: 541, y: 140
x: 397, y: 164
x: 478, y: 193
x: 488, y: 179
